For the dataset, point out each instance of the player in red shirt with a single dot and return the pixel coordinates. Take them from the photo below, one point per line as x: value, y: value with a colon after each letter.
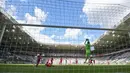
x: 60, y: 61
x: 52, y: 61
x: 76, y: 61
x: 49, y: 62
x: 91, y: 61
x: 39, y: 57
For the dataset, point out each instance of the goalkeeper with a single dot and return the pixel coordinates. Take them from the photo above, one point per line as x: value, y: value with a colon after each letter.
x: 87, y: 49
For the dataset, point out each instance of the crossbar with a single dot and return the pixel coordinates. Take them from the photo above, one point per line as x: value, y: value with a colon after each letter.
x: 72, y: 27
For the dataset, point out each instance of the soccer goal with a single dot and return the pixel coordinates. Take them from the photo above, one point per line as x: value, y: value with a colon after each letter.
x: 64, y: 36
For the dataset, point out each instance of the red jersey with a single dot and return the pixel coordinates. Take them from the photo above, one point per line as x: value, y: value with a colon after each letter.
x: 76, y: 61
x: 61, y: 59
x: 39, y: 57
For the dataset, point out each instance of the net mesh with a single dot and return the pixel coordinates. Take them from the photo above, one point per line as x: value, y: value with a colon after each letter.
x: 48, y: 36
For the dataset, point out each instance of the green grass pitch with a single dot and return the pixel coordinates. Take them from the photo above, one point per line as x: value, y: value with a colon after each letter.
x: 26, y: 68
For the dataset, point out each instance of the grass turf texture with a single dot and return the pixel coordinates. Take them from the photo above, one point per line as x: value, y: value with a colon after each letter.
x: 25, y: 68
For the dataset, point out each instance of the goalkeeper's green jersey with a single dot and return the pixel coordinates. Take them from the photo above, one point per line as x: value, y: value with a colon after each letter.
x: 87, y: 48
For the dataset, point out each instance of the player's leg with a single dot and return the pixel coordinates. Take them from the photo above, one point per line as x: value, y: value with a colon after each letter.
x: 86, y: 59
x: 89, y: 62
x: 37, y: 64
x: 38, y: 61
x: 94, y: 61
x: 52, y: 64
x: 33, y: 62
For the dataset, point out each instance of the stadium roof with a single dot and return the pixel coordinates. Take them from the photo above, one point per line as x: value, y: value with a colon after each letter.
x: 11, y: 34
x: 115, y: 40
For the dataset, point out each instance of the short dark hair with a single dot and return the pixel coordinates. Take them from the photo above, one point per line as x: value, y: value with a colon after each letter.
x: 87, y: 39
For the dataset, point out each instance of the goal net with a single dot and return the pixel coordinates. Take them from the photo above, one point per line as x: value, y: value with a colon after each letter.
x: 64, y: 36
